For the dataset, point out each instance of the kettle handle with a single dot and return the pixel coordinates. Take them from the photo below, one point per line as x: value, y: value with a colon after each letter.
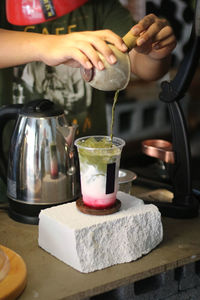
x: 7, y: 113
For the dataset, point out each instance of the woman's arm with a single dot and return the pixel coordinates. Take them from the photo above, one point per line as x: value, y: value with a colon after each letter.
x: 74, y: 49
x: 150, y: 60
x: 18, y: 47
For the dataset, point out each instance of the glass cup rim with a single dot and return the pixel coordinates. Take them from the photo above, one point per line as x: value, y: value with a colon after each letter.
x: 126, y: 176
x: 115, y: 139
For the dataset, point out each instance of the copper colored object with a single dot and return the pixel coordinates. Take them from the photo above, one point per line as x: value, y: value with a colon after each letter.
x: 160, y: 149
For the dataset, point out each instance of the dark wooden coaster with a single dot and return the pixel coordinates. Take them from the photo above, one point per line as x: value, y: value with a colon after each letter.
x: 98, y: 212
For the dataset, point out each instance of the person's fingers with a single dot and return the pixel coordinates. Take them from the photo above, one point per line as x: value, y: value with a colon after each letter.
x: 156, y: 32
x: 92, y: 55
x: 165, y: 33
x: 113, y: 38
x: 148, y: 28
x: 99, y: 41
x: 143, y: 24
x: 169, y: 42
x: 97, y: 44
x: 90, y: 42
x: 148, y: 20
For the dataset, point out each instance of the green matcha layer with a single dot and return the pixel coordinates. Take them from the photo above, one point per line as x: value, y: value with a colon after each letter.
x: 98, y: 153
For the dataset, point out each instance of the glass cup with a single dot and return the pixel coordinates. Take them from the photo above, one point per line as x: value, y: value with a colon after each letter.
x: 126, y: 178
x: 99, y: 167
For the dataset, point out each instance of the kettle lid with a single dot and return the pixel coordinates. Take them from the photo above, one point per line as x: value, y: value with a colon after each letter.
x: 41, y: 108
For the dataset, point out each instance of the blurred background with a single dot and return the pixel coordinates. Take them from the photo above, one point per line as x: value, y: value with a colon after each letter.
x: 139, y: 113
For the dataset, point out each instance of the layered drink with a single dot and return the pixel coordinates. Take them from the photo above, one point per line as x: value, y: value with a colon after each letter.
x: 99, y: 158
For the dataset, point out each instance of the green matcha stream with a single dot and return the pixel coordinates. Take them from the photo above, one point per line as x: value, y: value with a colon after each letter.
x: 113, y: 114
x: 103, y: 151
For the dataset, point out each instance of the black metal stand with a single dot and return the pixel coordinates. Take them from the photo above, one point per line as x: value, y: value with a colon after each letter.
x: 184, y: 204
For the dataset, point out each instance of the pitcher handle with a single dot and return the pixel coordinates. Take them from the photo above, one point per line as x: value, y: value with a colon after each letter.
x: 7, y: 113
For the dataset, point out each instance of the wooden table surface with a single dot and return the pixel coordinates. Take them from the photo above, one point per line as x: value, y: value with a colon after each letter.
x: 49, y: 278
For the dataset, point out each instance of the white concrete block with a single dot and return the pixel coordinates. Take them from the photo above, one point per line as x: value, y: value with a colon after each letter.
x: 88, y: 243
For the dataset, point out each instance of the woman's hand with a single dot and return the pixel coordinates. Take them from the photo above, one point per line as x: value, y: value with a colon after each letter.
x: 155, y: 37
x: 151, y: 59
x: 80, y: 48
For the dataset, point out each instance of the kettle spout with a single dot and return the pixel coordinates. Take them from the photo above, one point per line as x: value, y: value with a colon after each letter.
x: 71, y: 135
x: 68, y: 132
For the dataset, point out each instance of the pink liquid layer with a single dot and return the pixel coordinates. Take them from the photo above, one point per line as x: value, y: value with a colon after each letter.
x: 99, y: 203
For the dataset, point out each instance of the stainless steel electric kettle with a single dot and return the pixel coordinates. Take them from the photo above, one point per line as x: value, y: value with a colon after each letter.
x: 42, y: 167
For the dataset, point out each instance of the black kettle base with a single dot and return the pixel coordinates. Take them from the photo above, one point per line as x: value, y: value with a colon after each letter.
x: 23, y: 218
x: 25, y: 213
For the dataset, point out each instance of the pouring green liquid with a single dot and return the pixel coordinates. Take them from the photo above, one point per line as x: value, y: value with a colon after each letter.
x: 99, y: 157
x: 113, y: 114
x: 104, y: 142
